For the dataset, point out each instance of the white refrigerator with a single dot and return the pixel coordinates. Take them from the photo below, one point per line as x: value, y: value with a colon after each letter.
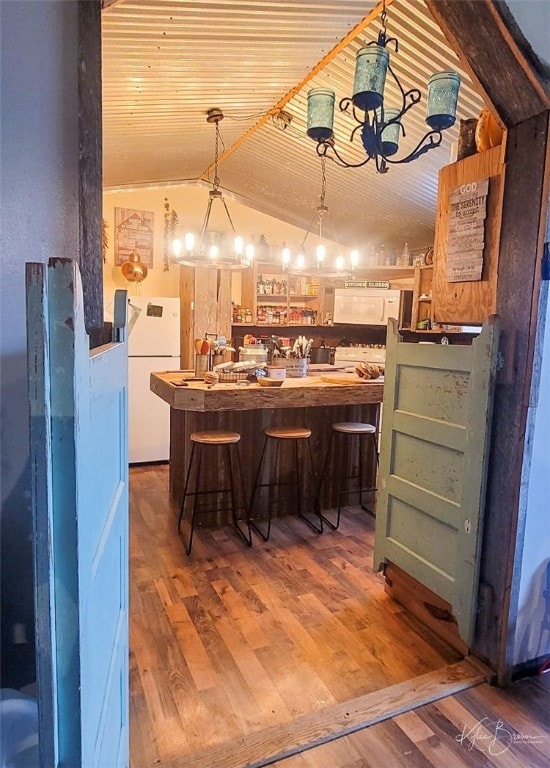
x: 153, y: 345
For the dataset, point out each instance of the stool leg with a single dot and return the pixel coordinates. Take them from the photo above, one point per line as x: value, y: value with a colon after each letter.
x: 361, y: 472
x: 323, y: 473
x: 257, y: 479
x: 186, y: 485
x: 324, y: 518
x: 195, y: 500
x: 247, y: 539
x: 364, y: 506
x: 316, y: 528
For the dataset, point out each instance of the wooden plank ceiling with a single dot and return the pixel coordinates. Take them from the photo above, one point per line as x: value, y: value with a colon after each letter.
x: 166, y: 62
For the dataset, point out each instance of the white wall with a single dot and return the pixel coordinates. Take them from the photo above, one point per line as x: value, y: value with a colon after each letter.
x: 39, y: 164
x: 190, y: 204
x: 531, y: 640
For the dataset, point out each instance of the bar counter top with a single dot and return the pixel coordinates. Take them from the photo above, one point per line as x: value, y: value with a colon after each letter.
x: 294, y: 393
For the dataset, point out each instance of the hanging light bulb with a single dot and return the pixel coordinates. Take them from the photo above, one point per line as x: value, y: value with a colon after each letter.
x: 354, y: 258
x: 239, y: 245
x: 320, y: 252
x: 300, y: 261
x: 249, y: 252
x: 340, y: 263
x: 285, y: 254
x: 176, y: 247
x: 189, y: 240
x: 213, y: 252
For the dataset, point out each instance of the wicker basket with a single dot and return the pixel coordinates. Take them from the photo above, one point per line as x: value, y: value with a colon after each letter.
x: 229, y: 377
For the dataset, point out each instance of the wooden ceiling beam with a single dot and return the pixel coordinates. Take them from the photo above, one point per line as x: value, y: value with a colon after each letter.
x: 496, y: 55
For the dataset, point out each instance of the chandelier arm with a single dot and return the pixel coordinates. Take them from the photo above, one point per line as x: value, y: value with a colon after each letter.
x: 302, y: 244
x: 431, y: 140
x: 323, y: 149
x: 413, y: 95
x: 228, y: 215
x: 205, y: 223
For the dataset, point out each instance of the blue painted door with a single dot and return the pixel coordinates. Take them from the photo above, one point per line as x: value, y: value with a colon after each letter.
x: 80, y: 507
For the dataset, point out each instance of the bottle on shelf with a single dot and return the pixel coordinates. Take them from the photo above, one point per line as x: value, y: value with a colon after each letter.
x: 261, y: 251
x: 260, y: 287
x: 405, y: 256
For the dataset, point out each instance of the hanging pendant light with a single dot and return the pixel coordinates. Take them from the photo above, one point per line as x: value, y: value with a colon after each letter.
x: 211, y: 249
x: 380, y: 126
x: 319, y: 263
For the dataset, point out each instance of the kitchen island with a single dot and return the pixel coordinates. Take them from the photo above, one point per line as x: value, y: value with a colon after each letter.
x: 309, y: 402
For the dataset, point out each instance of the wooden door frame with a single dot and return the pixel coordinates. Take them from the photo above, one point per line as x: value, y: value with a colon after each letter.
x: 526, y: 118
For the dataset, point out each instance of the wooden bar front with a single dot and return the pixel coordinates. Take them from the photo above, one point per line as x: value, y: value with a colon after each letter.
x: 307, y: 402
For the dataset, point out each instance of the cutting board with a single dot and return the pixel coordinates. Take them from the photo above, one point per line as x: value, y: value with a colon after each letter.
x: 349, y: 379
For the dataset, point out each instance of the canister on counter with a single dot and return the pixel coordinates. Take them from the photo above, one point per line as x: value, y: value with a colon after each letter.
x: 274, y: 372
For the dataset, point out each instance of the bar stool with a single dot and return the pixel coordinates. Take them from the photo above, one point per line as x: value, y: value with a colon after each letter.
x: 277, y: 436
x: 348, y: 430
x: 214, y: 439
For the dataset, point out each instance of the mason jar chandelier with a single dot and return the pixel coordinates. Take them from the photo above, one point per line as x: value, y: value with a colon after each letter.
x: 379, y: 125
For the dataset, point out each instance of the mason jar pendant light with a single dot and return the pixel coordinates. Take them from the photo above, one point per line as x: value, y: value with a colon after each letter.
x: 380, y: 126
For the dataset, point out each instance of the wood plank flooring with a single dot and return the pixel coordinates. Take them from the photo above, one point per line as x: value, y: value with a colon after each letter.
x: 233, y: 641
x: 483, y: 727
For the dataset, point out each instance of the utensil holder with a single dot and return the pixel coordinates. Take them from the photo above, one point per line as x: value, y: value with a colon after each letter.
x: 296, y: 368
x: 201, y: 365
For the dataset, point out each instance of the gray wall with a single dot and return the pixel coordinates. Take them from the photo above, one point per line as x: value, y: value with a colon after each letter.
x: 39, y: 204
x: 533, y: 17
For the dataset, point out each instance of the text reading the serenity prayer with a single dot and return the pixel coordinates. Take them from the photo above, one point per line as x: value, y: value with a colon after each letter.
x: 466, y: 239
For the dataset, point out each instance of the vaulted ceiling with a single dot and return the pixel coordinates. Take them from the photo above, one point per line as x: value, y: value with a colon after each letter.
x: 166, y: 62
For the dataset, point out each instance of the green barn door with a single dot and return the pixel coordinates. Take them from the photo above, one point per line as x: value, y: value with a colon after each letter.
x: 435, y: 444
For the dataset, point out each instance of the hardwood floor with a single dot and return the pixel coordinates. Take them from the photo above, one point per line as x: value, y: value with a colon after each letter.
x: 483, y: 727
x: 232, y: 641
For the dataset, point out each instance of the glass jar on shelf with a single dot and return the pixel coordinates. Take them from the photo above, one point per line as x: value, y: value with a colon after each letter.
x: 260, y: 286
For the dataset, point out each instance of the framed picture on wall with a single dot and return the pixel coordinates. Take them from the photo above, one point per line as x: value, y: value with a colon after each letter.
x: 134, y: 234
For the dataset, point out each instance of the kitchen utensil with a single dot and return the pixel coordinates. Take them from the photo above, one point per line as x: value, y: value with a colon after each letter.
x: 205, y: 347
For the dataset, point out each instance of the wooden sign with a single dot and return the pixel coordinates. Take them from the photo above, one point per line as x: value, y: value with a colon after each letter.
x: 367, y: 284
x: 466, y: 236
x: 133, y: 235
x: 378, y: 284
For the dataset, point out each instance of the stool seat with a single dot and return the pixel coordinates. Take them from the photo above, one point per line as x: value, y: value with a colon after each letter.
x: 354, y: 428
x: 213, y: 437
x: 288, y: 433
